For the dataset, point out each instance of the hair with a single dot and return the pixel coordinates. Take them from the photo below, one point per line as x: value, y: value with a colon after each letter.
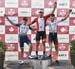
x: 53, y: 15
x: 41, y: 11
x: 25, y: 18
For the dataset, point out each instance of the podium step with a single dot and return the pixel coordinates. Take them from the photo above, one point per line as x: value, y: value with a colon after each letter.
x: 40, y: 64
x: 32, y: 64
x: 15, y: 65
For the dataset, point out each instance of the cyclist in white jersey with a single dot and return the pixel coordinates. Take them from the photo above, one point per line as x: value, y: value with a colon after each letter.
x: 53, y: 23
x: 23, y: 29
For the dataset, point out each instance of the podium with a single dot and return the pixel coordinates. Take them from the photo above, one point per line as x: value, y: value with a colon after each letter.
x: 32, y: 64
x: 40, y: 64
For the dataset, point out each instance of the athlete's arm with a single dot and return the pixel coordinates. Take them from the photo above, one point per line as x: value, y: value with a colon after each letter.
x: 66, y: 16
x: 32, y: 28
x: 34, y: 21
x: 55, y: 5
x: 10, y: 20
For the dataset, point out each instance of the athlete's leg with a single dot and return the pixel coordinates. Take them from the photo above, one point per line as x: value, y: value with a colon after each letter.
x: 50, y: 44
x: 27, y: 40
x: 43, y: 42
x: 22, y: 53
x: 56, y: 43
x: 22, y: 50
x: 50, y: 39
x: 56, y: 46
x: 30, y: 49
x: 22, y: 46
x: 37, y: 43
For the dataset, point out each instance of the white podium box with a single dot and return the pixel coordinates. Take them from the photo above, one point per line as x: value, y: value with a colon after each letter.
x: 40, y: 64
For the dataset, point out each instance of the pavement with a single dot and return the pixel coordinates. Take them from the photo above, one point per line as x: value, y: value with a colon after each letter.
x: 62, y: 65
x: 15, y: 65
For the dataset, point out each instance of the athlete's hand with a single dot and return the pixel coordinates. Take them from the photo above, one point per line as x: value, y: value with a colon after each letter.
x: 70, y: 10
x: 5, y: 15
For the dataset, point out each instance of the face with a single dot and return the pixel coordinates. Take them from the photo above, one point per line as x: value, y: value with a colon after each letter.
x: 41, y: 14
x: 24, y: 21
x: 52, y: 18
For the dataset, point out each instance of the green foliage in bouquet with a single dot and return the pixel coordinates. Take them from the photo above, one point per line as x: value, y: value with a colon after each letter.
x: 72, y: 48
x: 2, y: 47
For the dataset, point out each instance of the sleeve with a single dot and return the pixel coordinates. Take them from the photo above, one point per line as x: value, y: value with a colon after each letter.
x: 47, y: 16
x: 17, y: 25
x: 58, y: 21
x: 30, y: 28
x: 35, y: 20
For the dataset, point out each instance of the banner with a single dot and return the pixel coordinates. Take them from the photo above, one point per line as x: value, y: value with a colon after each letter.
x: 16, y: 9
